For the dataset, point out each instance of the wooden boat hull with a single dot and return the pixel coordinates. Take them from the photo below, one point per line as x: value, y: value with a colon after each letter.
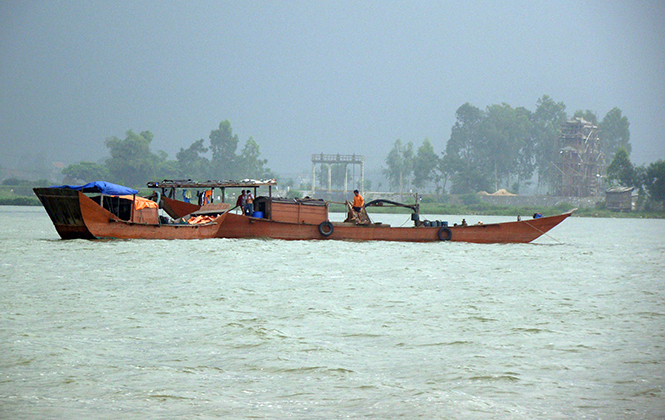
x: 237, y: 226
x: 76, y: 216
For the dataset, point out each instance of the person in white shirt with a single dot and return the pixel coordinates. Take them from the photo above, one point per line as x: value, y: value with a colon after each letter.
x: 249, y: 203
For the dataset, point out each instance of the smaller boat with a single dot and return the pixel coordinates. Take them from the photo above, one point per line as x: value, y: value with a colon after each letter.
x: 103, y: 210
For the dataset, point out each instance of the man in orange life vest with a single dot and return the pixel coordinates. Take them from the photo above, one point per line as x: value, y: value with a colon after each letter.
x: 358, y: 201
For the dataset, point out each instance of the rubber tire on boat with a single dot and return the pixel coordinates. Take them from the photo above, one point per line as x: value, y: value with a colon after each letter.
x: 326, y: 228
x: 445, y: 234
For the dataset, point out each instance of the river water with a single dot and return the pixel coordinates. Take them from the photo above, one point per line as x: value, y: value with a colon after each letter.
x: 569, y: 327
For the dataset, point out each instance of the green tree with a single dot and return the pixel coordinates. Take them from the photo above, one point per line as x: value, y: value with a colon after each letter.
x: 621, y: 171
x: 469, y: 178
x: 464, y: 132
x: 505, y: 145
x: 165, y: 168
x: 588, y: 115
x: 191, y: 162
x: 496, y: 145
x: 525, y: 144
x: 399, y: 165
x: 461, y: 161
x: 640, y: 176
x: 337, y: 172
x: 614, y: 133
x: 547, y: 121
x: 340, y: 175
x: 655, y: 181
x: 85, y: 172
x: 223, y: 145
x: 131, y: 162
x: 425, y: 166
x: 250, y: 163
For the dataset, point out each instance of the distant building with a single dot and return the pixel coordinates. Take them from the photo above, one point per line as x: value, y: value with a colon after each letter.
x: 338, y: 159
x: 619, y: 199
x: 581, y: 164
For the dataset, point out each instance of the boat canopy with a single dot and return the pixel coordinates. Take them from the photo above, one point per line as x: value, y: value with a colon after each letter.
x: 140, y: 202
x: 188, y: 183
x: 100, y: 187
x: 211, y: 185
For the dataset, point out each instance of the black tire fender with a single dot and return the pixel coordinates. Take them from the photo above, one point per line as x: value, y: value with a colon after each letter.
x: 445, y: 234
x: 326, y: 228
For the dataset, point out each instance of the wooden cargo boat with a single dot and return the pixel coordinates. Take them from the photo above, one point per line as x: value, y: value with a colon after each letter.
x: 125, y: 215
x: 308, y: 219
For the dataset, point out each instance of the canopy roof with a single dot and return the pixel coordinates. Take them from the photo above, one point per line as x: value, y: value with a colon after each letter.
x: 100, y: 187
x: 188, y: 183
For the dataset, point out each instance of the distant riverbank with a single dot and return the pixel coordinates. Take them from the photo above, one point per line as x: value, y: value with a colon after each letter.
x: 19, y: 201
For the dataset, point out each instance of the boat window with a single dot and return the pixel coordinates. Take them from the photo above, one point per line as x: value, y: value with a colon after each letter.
x: 116, y: 205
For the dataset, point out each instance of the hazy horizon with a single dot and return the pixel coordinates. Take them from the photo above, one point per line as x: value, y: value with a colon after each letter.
x: 314, y: 77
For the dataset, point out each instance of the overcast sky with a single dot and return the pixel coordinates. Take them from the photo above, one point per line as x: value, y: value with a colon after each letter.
x: 305, y: 77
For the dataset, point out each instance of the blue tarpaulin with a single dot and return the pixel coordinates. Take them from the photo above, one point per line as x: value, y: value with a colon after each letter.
x: 100, y: 187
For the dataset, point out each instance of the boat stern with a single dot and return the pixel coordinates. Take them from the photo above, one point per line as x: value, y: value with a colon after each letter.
x: 63, y: 207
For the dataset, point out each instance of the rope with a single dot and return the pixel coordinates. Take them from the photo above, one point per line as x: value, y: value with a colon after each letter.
x: 544, y: 233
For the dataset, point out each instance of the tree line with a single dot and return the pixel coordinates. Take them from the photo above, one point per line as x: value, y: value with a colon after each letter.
x: 506, y: 147
x: 132, y: 163
x: 649, y: 180
x: 498, y: 147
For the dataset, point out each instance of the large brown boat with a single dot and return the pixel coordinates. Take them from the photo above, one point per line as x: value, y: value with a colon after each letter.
x: 103, y: 210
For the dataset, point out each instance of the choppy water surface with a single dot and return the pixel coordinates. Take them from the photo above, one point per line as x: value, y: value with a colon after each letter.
x: 570, y: 327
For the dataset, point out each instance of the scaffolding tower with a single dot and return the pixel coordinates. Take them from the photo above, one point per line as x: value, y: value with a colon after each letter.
x: 338, y: 159
x: 582, y: 163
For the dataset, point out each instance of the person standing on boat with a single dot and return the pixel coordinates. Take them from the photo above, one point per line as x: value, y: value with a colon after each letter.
x: 240, y: 202
x: 249, y: 203
x: 358, y: 201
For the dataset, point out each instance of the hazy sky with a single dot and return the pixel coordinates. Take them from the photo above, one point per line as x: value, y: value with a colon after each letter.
x: 305, y: 77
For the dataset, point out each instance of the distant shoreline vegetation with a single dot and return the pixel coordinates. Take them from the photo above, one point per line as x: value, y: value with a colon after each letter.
x: 19, y: 201
x: 499, y: 147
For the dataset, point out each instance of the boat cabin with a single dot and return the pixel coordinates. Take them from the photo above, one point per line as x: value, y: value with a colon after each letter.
x: 131, y: 208
x: 308, y: 211
x: 305, y: 211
